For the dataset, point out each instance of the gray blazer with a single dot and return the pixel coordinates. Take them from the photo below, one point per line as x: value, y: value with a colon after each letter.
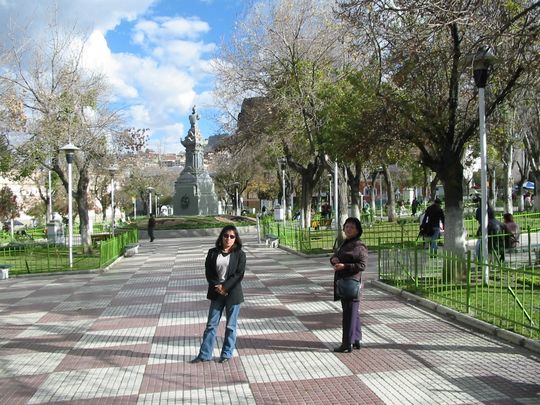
x: 233, y: 277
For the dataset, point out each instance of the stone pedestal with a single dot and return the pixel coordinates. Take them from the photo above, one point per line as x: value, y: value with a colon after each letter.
x: 55, y: 230
x: 194, y: 188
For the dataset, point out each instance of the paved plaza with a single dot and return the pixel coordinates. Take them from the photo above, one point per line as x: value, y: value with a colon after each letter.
x: 125, y: 336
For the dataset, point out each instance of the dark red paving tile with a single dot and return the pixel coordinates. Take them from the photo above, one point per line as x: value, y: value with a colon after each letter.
x: 19, y: 390
x: 187, y: 376
x: 123, y: 323
x: 339, y: 390
x: 119, y: 356
x: 261, y: 344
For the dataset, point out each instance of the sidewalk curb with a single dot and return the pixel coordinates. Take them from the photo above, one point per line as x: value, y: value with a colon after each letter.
x: 511, y: 337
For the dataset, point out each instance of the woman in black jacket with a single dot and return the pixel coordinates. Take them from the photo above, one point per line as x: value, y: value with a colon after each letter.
x: 349, y: 260
x: 225, y: 266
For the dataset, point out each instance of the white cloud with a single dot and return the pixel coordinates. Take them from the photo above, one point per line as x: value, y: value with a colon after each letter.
x: 160, y: 83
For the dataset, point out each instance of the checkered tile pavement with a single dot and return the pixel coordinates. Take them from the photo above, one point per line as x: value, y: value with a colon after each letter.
x: 126, y: 337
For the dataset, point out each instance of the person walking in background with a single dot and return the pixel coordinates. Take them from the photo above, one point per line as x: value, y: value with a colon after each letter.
x: 431, y: 223
x: 349, y: 260
x: 151, y: 227
x: 414, y: 206
x: 225, y: 265
x: 512, y: 231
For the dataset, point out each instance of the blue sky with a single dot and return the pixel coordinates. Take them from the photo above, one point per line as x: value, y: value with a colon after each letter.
x: 157, y: 54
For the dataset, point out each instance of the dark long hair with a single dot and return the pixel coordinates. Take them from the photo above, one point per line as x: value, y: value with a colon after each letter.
x: 356, y: 223
x: 237, y: 240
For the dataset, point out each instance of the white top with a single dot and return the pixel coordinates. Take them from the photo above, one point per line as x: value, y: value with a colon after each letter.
x: 222, y: 264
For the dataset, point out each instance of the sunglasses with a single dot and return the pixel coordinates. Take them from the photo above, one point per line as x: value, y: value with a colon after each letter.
x: 229, y: 236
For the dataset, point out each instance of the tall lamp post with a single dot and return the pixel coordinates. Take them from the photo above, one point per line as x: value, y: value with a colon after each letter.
x: 380, y: 190
x: 283, y: 164
x: 150, y: 189
x: 69, y: 150
x: 330, y: 189
x: 157, y: 203
x: 481, y: 63
x: 49, y: 193
x: 112, y: 171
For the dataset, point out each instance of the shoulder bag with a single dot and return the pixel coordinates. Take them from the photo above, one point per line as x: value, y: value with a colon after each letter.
x: 348, y: 288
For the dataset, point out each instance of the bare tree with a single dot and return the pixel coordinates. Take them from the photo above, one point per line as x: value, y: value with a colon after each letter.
x: 63, y: 103
x: 283, y: 53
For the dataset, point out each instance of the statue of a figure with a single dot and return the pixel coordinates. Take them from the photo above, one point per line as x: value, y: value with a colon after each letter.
x: 193, y: 133
x: 193, y: 118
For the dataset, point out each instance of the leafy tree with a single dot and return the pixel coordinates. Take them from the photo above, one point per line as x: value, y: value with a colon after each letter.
x: 421, y: 49
x: 9, y: 207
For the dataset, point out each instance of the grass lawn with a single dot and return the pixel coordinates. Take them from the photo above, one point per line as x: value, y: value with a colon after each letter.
x: 196, y: 222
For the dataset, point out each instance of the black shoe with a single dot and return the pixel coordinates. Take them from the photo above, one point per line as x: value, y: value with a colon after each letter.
x: 343, y: 349
x: 357, y: 344
x: 198, y: 360
x: 224, y: 360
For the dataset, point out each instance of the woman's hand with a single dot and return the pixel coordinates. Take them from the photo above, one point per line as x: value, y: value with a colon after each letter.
x: 220, y: 289
x: 339, y: 266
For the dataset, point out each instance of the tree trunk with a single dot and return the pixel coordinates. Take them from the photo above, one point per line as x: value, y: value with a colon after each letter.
x: 343, y: 203
x: 354, y: 185
x: 454, y: 231
x: 390, y: 199
x: 82, y: 206
x: 307, y: 191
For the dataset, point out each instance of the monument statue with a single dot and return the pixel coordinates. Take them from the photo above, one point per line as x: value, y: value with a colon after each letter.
x: 194, y: 188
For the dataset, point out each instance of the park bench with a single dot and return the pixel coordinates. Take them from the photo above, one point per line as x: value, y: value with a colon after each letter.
x: 98, y: 237
x: 271, y: 241
x: 131, y: 249
x: 4, y: 271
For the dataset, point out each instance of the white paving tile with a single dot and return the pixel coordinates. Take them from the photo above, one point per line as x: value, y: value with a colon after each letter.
x: 27, y: 318
x: 87, y: 384
x: 57, y: 328
x: 131, y: 310
x: 30, y: 363
x: 264, y: 326
x: 116, y: 337
x: 425, y: 386
x: 290, y: 366
x: 230, y: 394
x: 184, y: 318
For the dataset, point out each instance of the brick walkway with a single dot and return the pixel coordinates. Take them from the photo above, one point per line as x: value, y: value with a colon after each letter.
x: 126, y: 336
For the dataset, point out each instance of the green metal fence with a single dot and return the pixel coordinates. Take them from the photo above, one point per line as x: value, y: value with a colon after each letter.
x: 35, y: 257
x: 111, y: 249
x: 504, y: 296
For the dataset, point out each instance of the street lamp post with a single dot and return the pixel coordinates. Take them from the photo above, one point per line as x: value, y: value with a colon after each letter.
x: 336, y: 195
x: 283, y: 164
x: 112, y: 171
x: 330, y: 202
x: 157, y: 203
x: 380, y: 191
x: 49, y: 194
x: 481, y: 63
x: 150, y: 189
x: 69, y: 150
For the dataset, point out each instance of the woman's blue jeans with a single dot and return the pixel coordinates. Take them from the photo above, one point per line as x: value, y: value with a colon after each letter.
x: 209, y: 338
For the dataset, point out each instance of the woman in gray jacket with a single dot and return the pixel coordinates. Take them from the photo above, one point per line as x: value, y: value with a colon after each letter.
x: 224, y: 268
x: 349, y: 260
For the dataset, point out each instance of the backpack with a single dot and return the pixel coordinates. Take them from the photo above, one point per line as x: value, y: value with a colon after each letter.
x: 425, y: 228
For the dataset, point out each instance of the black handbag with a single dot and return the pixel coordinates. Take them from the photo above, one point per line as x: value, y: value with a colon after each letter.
x: 348, y: 288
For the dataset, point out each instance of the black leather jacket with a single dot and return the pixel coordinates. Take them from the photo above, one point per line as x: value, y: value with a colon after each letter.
x: 233, y: 277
